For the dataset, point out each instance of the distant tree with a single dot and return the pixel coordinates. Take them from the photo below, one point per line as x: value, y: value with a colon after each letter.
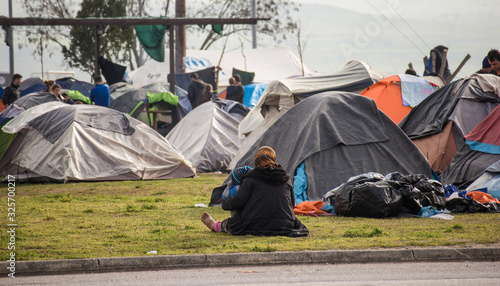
x: 280, y: 12
x: 115, y: 40
x: 301, y: 37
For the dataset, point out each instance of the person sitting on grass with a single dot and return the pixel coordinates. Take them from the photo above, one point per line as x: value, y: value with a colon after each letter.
x: 264, y: 202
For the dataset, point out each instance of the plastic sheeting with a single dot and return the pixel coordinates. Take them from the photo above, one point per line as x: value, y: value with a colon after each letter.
x: 207, y: 137
x: 83, y: 152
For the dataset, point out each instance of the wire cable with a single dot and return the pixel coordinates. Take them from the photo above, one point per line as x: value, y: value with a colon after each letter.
x: 408, y: 24
x: 396, y: 27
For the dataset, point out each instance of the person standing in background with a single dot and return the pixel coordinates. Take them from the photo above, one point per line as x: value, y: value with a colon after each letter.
x: 99, y: 94
x: 12, y: 93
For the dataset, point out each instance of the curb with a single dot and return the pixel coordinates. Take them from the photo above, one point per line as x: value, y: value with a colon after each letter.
x: 143, y: 263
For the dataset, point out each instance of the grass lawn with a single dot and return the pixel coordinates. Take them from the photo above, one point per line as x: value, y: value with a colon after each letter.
x: 130, y: 218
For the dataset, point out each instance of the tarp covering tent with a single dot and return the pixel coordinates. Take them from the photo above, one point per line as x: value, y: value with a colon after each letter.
x: 89, y: 143
x: 132, y: 100
x: 338, y: 135
x: 398, y: 94
x: 30, y: 85
x: 482, y: 149
x: 267, y: 64
x: 26, y: 102
x: 439, y: 123
x: 280, y: 96
x: 490, y: 181
x: 252, y: 93
x: 35, y: 84
x: 208, y: 136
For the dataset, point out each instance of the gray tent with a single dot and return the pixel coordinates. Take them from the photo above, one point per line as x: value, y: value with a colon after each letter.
x: 88, y: 143
x: 280, y: 96
x: 338, y: 135
x: 438, y: 124
x: 131, y: 100
x: 208, y: 135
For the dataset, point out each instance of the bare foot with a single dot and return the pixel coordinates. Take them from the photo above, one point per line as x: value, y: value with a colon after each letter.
x: 207, y: 219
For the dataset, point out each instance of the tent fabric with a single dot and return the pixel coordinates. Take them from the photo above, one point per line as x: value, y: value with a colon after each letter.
x: 489, y: 180
x: 207, y: 137
x: 97, y: 118
x: 439, y: 149
x: 280, y: 96
x: 252, y: 93
x: 467, y: 166
x: 86, y: 153
x: 163, y: 96
x: 485, y: 137
x: 152, y: 39
x: 246, y: 77
x: 431, y: 115
x: 330, y: 131
x: 112, y: 72
x: 268, y: 64
x: 128, y: 97
x: 354, y: 77
x: 30, y: 85
x: 387, y: 96
x: 76, y: 95
x: 74, y: 84
x: 415, y: 89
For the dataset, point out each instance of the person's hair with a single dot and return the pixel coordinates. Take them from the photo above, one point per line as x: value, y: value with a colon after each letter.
x: 97, y: 78
x: 265, y: 157
x: 56, y: 86
x: 237, y: 77
x: 231, y: 80
x: 410, y: 71
x: 208, y: 88
x: 17, y: 76
x: 493, y: 55
x: 194, y: 75
x: 49, y: 84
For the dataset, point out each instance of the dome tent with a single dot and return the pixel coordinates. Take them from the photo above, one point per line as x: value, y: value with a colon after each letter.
x: 88, y: 143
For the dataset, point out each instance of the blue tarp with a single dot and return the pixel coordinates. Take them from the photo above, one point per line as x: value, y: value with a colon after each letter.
x: 252, y: 93
x: 300, y: 184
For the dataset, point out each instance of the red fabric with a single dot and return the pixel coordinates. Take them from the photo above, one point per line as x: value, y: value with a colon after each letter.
x: 488, y: 130
x: 309, y: 208
x: 482, y: 197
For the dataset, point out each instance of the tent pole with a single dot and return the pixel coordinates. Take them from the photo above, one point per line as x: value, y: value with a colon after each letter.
x: 172, y: 57
x: 11, y: 43
x: 454, y: 74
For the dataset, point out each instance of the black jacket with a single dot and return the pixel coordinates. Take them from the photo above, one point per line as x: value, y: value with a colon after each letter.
x: 195, y: 90
x: 236, y: 94
x: 11, y: 94
x: 264, y: 202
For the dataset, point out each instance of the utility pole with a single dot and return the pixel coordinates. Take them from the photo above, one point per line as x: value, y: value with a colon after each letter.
x: 11, y: 43
x: 254, y: 28
x: 180, y: 38
x: 141, y: 50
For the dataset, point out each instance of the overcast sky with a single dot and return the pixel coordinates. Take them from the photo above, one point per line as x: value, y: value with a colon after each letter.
x: 337, y: 35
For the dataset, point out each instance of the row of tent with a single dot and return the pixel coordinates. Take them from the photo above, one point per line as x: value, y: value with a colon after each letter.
x: 336, y: 134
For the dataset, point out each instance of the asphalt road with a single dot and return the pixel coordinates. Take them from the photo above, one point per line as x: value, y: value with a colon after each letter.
x: 407, y: 273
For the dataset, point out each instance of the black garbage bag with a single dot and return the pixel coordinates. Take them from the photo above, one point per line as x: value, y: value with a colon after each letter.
x: 428, y: 192
x: 368, y: 197
x: 462, y: 205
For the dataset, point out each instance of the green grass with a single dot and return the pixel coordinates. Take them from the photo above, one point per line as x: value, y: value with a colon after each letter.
x: 110, y: 219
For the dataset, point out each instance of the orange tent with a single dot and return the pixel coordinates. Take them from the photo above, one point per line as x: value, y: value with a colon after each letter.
x: 387, y: 96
